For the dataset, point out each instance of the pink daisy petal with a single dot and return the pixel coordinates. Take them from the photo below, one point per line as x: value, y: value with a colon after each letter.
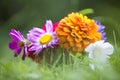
x: 36, y: 43
x: 49, y: 26
x: 36, y: 30
x: 54, y: 26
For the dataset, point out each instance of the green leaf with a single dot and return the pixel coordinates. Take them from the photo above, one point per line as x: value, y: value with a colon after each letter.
x: 86, y: 11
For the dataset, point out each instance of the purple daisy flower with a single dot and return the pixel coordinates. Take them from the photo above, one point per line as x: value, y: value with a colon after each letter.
x: 40, y: 38
x: 101, y: 30
x: 17, y: 43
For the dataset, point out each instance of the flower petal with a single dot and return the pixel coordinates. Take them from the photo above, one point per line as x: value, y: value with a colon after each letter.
x: 37, y: 51
x: 49, y: 26
x: 54, y: 26
x: 32, y: 37
x: 101, y: 30
x: 17, y: 33
x: 90, y: 48
x: 17, y: 52
x: 108, y: 48
x: 100, y: 49
x: 36, y: 30
x: 13, y: 45
x: 14, y: 36
x: 25, y: 53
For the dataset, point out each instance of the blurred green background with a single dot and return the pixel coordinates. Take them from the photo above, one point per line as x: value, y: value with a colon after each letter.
x: 24, y: 14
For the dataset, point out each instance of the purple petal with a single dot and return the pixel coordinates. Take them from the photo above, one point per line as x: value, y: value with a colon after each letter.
x: 25, y: 53
x: 13, y: 45
x: 17, y: 51
x: 37, y: 51
x: 32, y: 37
x: 101, y: 30
x: 35, y: 34
x: 37, y: 30
x: 32, y: 48
x: 14, y: 37
x: 17, y: 33
x: 49, y: 26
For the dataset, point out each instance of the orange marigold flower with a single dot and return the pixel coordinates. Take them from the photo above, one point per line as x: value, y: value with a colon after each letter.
x: 76, y: 32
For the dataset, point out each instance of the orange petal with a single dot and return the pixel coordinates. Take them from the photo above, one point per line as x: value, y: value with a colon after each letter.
x: 66, y: 29
x: 70, y: 38
x: 72, y: 43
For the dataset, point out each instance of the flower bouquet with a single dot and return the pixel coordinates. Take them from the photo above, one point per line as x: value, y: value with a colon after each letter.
x: 75, y: 35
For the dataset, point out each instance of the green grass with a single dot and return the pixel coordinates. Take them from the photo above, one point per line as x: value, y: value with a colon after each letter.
x: 64, y: 67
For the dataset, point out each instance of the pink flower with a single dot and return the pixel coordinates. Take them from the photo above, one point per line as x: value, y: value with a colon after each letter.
x: 42, y: 38
x: 18, y: 43
x: 54, y: 26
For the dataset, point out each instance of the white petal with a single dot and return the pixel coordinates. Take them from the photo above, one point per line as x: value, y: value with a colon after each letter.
x: 89, y: 48
x: 49, y: 26
x: 108, y: 48
x: 99, y: 50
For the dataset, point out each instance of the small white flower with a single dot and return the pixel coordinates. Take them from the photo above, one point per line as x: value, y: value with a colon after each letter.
x: 99, y: 51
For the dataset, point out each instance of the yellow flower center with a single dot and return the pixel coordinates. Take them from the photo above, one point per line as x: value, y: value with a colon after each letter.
x: 21, y: 44
x: 45, y: 39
